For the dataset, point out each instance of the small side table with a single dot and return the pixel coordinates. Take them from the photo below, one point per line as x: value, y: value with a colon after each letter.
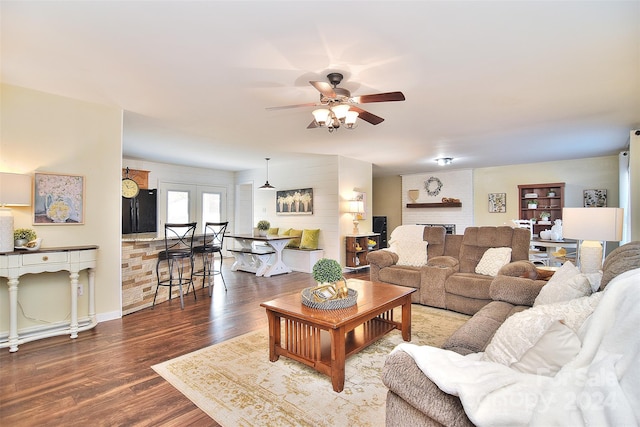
x: 71, y: 259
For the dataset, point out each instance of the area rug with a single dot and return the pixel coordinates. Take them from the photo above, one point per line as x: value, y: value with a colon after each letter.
x: 235, y: 383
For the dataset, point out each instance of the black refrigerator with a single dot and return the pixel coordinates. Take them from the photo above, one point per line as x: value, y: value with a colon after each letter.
x: 139, y: 214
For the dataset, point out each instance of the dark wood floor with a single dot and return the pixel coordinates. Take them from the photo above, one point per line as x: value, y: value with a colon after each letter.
x: 104, y: 377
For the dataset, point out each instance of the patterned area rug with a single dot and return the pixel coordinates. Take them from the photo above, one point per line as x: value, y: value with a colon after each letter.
x: 236, y: 385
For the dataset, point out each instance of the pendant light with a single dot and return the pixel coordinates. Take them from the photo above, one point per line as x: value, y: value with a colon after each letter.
x: 266, y: 185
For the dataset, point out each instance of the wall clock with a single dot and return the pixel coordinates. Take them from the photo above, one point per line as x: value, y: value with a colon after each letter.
x: 130, y: 188
x: 433, y: 186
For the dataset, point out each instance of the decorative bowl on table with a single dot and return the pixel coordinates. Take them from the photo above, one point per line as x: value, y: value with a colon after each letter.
x: 317, y: 297
x: 33, y: 245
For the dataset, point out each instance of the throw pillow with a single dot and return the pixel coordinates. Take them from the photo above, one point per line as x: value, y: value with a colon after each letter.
x: 412, y: 253
x: 295, y: 242
x: 521, y: 331
x: 285, y: 232
x: 273, y: 231
x: 566, y: 284
x: 557, y: 347
x: 309, y: 239
x: 493, y: 260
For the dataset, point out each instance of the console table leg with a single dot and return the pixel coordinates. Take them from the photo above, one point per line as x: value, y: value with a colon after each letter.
x: 13, y: 314
x: 73, y: 327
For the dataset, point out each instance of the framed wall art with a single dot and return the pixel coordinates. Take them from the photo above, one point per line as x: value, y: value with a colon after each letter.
x: 58, y: 199
x: 294, y: 202
x: 595, y: 198
x: 497, y: 202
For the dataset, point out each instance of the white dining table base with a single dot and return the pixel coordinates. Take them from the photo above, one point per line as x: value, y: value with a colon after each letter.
x: 263, y: 261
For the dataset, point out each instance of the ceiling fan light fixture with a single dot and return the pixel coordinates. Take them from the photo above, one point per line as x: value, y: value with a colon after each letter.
x: 350, y: 119
x: 443, y: 161
x: 340, y: 111
x: 321, y: 116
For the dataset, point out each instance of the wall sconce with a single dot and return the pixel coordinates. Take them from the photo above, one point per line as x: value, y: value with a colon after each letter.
x: 592, y: 226
x: 15, y: 190
x: 356, y: 207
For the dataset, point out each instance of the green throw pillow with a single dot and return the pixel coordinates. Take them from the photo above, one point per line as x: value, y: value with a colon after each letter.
x: 285, y: 232
x: 295, y: 242
x: 309, y: 239
x: 273, y: 231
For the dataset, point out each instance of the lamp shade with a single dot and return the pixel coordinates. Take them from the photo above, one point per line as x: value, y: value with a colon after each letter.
x: 351, y: 117
x: 321, y: 115
x: 599, y: 224
x: 15, y: 189
x: 356, y: 206
x: 340, y: 111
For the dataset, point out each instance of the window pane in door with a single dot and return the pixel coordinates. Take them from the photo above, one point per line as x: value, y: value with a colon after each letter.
x: 211, y: 207
x: 177, y: 206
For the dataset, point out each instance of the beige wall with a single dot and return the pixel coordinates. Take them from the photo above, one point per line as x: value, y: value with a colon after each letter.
x: 333, y: 179
x: 387, y: 199
x: 578, y: 175
x: 48, y: 133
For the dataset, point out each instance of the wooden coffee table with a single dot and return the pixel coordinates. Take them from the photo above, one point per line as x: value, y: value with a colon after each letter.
x: 323, y: 339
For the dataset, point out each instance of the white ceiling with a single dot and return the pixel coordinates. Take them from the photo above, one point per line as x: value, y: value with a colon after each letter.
x: 486, y: 82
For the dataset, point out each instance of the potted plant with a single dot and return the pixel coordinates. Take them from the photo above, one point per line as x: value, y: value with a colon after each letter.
x: 551, y: 193
x: 327, y: 270
x: 544, y: 216
x: 263, y: 227
x: 22, y: 236
x: 532, y: 204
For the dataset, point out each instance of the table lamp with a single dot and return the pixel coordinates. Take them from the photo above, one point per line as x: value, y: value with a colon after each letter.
x: 15, y: 190
x: 356, y: 207
x: 591, y: 226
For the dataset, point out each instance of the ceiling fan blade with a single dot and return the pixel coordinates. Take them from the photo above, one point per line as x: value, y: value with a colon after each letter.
x: 312, y: 125
x: 367, y: 116
x: 324, y: 88
x: 380, y: 97
x: 284, y: 107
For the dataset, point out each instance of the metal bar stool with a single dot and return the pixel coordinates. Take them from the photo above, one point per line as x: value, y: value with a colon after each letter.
x: 213, y: 243
x: 178, y: 244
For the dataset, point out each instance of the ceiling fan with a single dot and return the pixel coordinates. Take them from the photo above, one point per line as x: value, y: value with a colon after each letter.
x: 339, y: 108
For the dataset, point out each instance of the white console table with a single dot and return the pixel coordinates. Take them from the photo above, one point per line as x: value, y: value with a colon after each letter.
x: 72, y: 259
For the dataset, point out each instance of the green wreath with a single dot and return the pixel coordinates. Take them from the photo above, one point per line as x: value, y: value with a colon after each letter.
x: 433, y: 186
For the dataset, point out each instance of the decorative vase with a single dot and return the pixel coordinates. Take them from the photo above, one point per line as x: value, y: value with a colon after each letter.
x: 262, y: 233
x: 19, y: 243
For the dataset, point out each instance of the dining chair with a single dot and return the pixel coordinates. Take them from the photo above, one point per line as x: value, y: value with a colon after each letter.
x: 178, y: 254
x: 213, y: 243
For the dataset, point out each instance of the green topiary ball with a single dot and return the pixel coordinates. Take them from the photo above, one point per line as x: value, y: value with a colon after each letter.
x: 327, y: 270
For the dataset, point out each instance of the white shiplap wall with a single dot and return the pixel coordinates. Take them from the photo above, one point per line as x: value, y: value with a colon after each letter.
x: 456, y: 184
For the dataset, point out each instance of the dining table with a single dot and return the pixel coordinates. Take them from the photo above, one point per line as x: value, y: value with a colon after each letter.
x: 261, y: 255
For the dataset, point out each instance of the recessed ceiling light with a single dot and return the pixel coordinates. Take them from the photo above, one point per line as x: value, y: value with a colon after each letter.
x: 442, y: 161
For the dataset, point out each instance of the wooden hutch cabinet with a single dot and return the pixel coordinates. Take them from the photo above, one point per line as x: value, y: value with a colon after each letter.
x: 549, y: 197
x: 357, y: 248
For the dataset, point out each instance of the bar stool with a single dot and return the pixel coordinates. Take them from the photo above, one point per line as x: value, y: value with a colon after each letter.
x: 213, y: 243
x: 178, y: 244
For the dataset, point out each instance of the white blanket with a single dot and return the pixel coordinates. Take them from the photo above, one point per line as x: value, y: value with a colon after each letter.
x: 599, y: 387
x: 407, y: 232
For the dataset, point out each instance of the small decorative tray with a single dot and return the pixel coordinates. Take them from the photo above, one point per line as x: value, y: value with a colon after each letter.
x: 531, y: 196
x: 309, y: 299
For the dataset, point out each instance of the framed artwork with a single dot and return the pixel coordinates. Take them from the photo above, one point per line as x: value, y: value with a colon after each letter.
x: 294, y: 202
x: 58, y: 199
x: 497, y: 202
x: 595, y: 198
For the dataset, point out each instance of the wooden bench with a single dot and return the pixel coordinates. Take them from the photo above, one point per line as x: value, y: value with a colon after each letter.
x: 301, y: 259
